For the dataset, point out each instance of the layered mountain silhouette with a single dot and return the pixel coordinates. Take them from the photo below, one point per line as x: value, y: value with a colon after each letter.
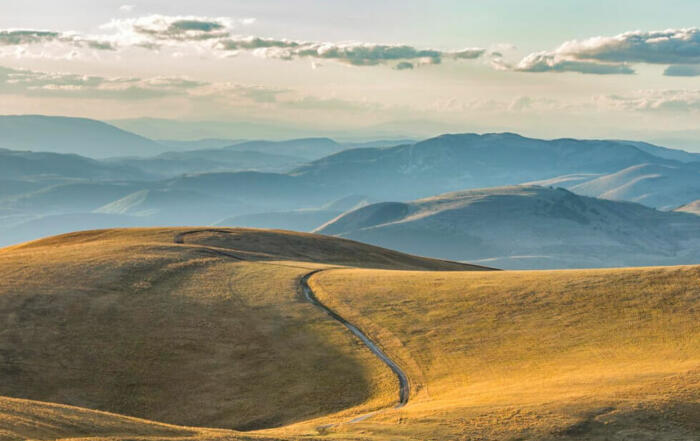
x: 303, y: 184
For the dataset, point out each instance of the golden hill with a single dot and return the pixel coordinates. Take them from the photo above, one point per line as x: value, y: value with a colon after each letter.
x: 210, y: 332
x: 209, y: 328
x: 593, y: 354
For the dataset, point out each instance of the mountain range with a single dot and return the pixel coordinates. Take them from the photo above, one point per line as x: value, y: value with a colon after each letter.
x: 303, y: 184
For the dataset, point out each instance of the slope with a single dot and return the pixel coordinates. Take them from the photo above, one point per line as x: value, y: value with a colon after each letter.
x: 81, y: 136
x: 537, y: 355
x: 526, y: 227
x: 203, y: 327
x: 660, y: 186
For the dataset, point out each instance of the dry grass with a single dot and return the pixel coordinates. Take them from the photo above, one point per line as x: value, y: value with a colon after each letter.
x: 542, y: 354
x: 126, y: 321
x: 129, y: 322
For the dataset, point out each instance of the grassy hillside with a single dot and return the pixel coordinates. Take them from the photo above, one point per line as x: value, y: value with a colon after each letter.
x: 131, y: 322
x: 208, y: 328
x: 594, y: 354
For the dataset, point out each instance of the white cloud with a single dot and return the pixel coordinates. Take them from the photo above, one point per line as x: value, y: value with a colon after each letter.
x: 612, y: 55
x: 552, y: 62
x: 214, y: 34
x: 353, y: 53
x: 126, y: 8
x: 653, y: 100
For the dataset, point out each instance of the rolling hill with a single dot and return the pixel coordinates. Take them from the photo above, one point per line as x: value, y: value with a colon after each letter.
x: 193, y: 327
x: 211, y: 328
x: 85, y: 137
x: 660, y: 186
x: 526, y: 227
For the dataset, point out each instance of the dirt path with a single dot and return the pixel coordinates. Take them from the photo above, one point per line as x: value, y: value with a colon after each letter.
x: 404, y: 385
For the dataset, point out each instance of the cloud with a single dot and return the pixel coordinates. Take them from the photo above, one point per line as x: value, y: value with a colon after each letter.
x: 33, y: 83
x: 214, y: 34
x: 18, y: 37
x: 549, y: 62
x: 656, y: 47
x: 612, y: 55
x: 682, y: 70
x: 653, y: 100
x: 353, y: 53
x: 156, y: 29
x: 404, y: 65
x: 61, y: 41
x: 126, y: 8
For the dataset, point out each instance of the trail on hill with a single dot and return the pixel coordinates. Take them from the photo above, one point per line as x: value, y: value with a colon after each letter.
x: 404, y: 384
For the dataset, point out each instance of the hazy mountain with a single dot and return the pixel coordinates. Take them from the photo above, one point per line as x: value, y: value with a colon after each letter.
x: 297, y: 220
x: 172, y: 164
x: 294, y: 220
x: 526, y: 227
x: 452, y: 162
x: 81, y: 136
x: 197, y: 144
x: 71, y: 197
x: 661, y: 186
x: 693, y: 207
x: 664, y: 152
x: 51, y: 225
x: 307, y: 148
x: 24, y: 165
x: 172, y: 206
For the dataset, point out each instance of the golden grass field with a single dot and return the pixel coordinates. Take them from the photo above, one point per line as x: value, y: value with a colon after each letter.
x: 212, y: 339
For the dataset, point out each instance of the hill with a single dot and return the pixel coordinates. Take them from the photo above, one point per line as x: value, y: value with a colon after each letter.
x: 455, y: 162
x: 306, y: 148
x: 193, y: 327
x: 81, y: 136
x: 526, y: 227
x: 171, y: 164
x: 660, y: 186
x: 534, y: 355
x: 210, y: 328
x: 41, y: 165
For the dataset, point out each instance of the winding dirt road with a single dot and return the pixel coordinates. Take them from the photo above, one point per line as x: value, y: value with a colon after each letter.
x: 404, y: 385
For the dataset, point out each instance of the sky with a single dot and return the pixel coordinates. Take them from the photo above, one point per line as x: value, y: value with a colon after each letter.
x: 360, y: 69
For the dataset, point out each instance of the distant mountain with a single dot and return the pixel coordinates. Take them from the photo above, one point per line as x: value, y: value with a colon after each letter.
x: 198, y: 144
x: 297, y: 220
x: 70, y: 197
x: 51, y: 225
x: 693, y: 207
x: 660, y: 186
x: 171, y: 206
x: 665, y: 152
x: 171, y: 164
x: 25, y: 165
x: 453, y: 162
x: 81, y: 136
x: 294, y: 220
x: 526, y: 227
x: 307, y: 148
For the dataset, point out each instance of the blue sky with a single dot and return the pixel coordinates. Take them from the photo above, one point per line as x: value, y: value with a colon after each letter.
x: 558, y: 68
